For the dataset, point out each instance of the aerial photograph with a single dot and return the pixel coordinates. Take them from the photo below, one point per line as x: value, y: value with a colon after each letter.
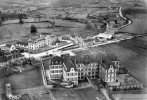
x: 73, y: 49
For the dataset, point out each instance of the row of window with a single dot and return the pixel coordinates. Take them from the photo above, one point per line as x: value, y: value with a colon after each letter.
x: 71, y: 74
x: 56, y: 67
x: 56, y: 76
x: 89, y: 65
x: 86, y: 69
x: 93, y: 72
x: 111, y: 75
x: 109, y: 80
x: 56, y: 71
x: 110, y: 71
x: 72, y: 79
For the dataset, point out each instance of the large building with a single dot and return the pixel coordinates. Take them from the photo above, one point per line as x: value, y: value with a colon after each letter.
x: 107, y: 71
x: 61, y: 68
x: 108, y: 68
x: 70, y: 69
x: 38, y: 42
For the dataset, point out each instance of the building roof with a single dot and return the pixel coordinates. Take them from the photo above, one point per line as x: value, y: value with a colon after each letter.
x: 22, y: 43
x: 8, y: 45
x: 106, y: 64
x: 46, y: 33
x: 56, y: 60
x: 68, y: 63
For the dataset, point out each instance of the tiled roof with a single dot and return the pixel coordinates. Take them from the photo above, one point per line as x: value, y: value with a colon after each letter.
x: 22, y: 43
x: 68, y: 63
x: 36, y: 40
x: 56, y: 60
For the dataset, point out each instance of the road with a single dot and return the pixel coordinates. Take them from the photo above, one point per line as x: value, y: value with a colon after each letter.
x: 58, y: 52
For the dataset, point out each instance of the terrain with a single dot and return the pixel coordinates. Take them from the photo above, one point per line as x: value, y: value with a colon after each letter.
x: 132, y: 56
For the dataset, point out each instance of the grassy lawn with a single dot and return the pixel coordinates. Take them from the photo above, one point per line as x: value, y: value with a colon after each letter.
x: 79, y: 94
x: 28, y: 79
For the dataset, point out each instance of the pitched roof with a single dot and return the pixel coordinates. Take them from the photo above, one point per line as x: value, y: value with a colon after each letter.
x: 106, y: 64
x: 68, y: 63
x: 56, y: 60
x: 8, y: 45
x: 45, y: 33
x: 22, y: 43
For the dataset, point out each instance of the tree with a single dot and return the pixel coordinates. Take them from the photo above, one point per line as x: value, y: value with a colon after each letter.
x: 20, y: 19
x: 33, y: 30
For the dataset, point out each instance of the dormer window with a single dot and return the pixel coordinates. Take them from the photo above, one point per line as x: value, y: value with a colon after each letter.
x: 111, y: 66
x: 72, y: 69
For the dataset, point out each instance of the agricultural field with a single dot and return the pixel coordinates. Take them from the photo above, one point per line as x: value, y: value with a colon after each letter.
x: 12, y: 32
x: 139, y: 20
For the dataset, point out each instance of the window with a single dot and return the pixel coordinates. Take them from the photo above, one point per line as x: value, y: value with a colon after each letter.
x: 67, y: 79
x: 75, y: 74
x: 67, y: 74
x: 72, y: 69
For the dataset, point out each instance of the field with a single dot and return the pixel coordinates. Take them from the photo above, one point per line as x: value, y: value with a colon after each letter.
x: 79, y: 94
x: 12, y: 32
x: 25, y: 80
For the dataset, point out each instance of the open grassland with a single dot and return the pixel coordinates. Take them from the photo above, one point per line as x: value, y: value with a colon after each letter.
x: 23, y: 80
x: 139, y: 19
x: 76, y: 94
x: 12, y: 32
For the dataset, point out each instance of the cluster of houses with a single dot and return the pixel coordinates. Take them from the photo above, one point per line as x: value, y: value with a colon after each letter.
x: 73, y: 69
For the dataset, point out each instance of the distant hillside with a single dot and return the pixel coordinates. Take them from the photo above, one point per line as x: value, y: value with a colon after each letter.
x: 64, y: 3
